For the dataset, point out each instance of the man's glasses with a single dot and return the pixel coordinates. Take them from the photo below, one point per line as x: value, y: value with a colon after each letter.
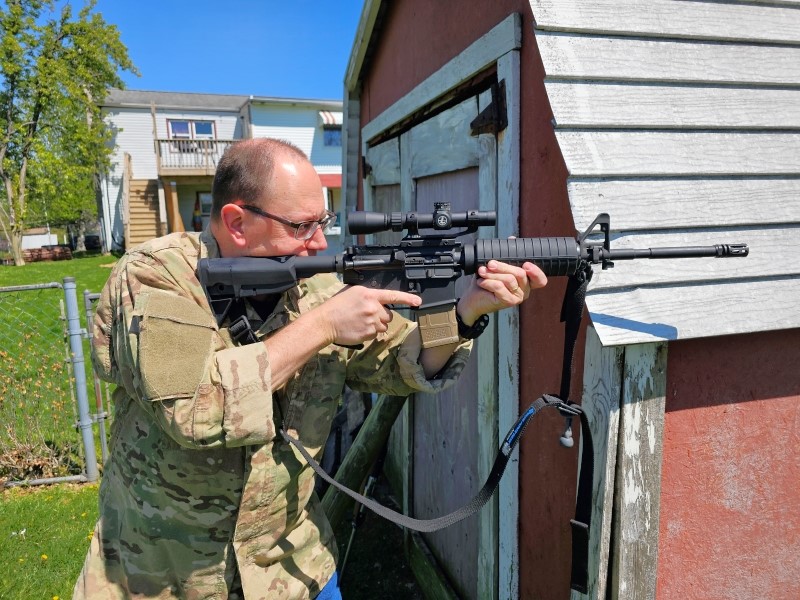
x: 304, y: 230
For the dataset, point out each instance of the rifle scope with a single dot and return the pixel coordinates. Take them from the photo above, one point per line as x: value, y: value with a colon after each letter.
x: 442, y: 218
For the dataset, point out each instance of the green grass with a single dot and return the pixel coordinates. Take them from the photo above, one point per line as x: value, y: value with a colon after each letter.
x: 89, y: 272
x: 57, y: 520
x: 44, y: 537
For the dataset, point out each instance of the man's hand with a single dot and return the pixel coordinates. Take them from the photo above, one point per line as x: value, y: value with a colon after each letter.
x: 357, y: 314
x: 497, y: 286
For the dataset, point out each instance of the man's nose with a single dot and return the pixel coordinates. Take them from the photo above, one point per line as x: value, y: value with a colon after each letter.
x: 317, y: 241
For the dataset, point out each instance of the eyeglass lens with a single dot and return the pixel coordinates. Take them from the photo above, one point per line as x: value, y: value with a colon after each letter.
x: 306, y: 229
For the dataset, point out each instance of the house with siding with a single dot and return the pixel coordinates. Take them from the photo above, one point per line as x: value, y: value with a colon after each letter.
x: 167, y: 146
x: 681, y: 120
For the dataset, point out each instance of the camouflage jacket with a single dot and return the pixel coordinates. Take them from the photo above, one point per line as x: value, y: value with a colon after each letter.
x: 199, y: 498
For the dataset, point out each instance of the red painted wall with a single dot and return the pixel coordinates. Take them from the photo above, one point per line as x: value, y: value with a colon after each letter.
x: 417, y: 38
x: 729, y: 521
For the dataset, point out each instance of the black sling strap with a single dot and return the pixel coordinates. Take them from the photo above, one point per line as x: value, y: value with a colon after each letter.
x: 571, y: 315
x: 481, y: 498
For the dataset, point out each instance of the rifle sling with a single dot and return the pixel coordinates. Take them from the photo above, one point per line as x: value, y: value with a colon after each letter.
x: 430, y: 525
x: 571, y: 314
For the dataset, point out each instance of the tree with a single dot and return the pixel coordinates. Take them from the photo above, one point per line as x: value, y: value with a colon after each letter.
x: 53, y: 68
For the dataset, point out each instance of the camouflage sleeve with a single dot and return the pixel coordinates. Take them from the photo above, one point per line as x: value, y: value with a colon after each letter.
x: 390, y: 364
x: 164, y: 348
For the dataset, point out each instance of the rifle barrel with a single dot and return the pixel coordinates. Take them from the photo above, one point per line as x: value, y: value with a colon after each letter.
x: 717, y: 250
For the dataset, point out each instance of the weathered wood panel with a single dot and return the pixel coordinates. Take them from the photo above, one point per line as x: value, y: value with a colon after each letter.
x: 432, y: 142
x: 386, y: 198
x: 632, y: 316
x: 661, y: 203
x: 667, y: 18
x: 602, y: 392
x: 638, y: 481
x: 653, y: 153
x: 611, y: 105
x: 619, y: 59
x: 487, y: 354
x: 508, y: 172
x: 446, y: 427
x: 384, y: 164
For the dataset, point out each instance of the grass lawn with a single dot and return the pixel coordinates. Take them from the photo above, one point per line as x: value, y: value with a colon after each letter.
x: 90, y: 272
x: 44, y: 531
x: 37, y: 406
x: 44, y: 537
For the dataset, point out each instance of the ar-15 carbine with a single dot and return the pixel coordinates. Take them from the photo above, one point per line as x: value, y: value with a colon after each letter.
x: 428, y: 265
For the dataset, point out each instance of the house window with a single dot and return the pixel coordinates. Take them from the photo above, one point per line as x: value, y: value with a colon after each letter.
x: 188, y: 132
x: 332, y: 136
x: 180, y: 129
x: 203, y: 130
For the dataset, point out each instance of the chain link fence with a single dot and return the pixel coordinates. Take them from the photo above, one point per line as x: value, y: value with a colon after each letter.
x: 46, y: 426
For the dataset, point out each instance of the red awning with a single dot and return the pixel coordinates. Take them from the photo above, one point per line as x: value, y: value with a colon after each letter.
x: 330, y: 119
x: 331, y: 181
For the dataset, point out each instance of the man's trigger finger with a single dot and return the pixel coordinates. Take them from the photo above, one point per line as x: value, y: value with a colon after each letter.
x: 395, y: 297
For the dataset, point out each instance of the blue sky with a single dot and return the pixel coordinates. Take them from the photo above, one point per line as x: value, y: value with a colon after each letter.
x: 288, y: 49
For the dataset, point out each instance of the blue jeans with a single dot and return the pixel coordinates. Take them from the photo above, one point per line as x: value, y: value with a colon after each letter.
x: 331, y: 590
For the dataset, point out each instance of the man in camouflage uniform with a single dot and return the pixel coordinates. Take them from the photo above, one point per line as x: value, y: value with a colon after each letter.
x: 199, y: 498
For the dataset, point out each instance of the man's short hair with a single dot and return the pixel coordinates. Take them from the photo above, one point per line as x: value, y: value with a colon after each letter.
x: 245, y: 171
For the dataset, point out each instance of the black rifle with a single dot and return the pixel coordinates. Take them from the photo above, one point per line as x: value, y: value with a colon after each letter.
x: 429, y: 265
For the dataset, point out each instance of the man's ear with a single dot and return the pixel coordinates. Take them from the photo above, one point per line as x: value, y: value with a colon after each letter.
x: 232, y: 218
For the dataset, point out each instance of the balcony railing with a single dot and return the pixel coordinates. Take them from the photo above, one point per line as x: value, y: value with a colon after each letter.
x: 190, y: 157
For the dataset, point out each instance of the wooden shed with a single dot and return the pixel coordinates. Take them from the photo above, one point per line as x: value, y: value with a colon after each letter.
x: 682, y: 120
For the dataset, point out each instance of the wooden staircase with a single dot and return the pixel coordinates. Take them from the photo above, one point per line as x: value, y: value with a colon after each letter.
x: 143, y: 222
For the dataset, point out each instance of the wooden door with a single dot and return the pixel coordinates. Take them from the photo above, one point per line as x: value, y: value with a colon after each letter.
x: 449, y: 441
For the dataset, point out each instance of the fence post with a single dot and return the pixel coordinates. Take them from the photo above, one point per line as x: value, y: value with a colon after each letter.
x: 79, y: 371
x: 101, y: 415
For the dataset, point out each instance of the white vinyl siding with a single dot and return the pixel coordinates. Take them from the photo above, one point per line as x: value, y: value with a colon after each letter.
x: 134, y: 135
x: 682, y: 121
x: 302, y: 127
